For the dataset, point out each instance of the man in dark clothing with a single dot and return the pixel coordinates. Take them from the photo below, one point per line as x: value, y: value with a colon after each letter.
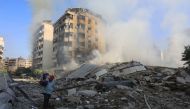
x: 48, y: 90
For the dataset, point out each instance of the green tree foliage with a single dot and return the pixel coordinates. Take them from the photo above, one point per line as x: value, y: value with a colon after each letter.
x: 38, y: 72
x: 26, y: 71
x: 186, y: 56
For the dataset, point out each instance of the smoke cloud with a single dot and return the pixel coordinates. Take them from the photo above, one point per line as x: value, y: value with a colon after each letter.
x: 130, y: 28
x: 41, y: 10
x: 133, y: 38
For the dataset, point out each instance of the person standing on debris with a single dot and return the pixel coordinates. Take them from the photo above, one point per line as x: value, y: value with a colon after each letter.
x: 48, y: 90
x: 44, y: 79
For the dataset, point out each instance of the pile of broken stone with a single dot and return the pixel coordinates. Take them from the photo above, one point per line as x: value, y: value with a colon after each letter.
x: 128, y: 85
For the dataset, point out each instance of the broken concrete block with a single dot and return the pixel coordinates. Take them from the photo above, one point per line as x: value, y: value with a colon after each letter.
x: 181, y: 80
x: 89, y: 93
x: 123, y: 87
x: 123, y: 98
x: 100, y: 73
x: 89, y: 106
x: 166, y: 78
x: 88, y: 102
x: 133, y: 69
x: 83, y: 71
x: 74, y: 100
x: 159, y: 74
x: 112, y: 84
x: 72, y: 92
x: 147, y: 78
x: 187, y: 78
x: 116, y: 73
x: 168, y: 71
x: 80, y: 107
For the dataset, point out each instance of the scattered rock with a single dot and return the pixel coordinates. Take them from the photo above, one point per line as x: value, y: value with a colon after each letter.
x: 181, y: 80
x: 88, y: 93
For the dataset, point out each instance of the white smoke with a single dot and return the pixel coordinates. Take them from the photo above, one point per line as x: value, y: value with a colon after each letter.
x: 176, y: 20
x: 132, y: 37
x: 41, y: 10
x: 71, y: 66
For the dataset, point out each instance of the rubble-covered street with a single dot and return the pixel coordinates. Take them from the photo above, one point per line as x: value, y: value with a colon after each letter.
x: 121, y: 85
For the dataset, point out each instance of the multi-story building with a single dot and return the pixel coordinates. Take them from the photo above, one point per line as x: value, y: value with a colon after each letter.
x: 1, y: 48
x: 14, y: 63
x: 76, y: 34
x: 28, y: 63
x: 42, y: 46
x: 24, y: 63
x: 6, y: 63
x: 1, y: 53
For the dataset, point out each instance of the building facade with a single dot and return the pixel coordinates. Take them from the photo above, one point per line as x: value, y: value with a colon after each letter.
x: 24, y: 63
x: 43, y: 46
x: 76, y: 34
x: 1, y: 48
x: 13, y: 64
x: 1, y: 53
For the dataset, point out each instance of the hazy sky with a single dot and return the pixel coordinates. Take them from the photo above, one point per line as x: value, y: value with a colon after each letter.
x: 16, y: 19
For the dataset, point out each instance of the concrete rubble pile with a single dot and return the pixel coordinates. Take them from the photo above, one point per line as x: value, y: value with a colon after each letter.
x: 7, y: 95
x: 128, y: 85
x: 13, y: 97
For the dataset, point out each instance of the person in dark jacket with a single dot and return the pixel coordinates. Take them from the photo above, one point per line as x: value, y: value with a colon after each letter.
x: 48, y: 90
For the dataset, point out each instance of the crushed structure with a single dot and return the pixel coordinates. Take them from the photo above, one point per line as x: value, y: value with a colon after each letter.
x: 128, y: 85
x: 7, y: 95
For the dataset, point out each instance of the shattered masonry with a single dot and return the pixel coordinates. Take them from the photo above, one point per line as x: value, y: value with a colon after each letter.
x: 128, y: 85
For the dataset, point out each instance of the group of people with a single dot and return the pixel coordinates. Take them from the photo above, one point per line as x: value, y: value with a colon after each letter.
x: 47, y: 81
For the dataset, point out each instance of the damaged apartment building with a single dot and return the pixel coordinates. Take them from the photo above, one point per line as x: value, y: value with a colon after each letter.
x: 42, y: 46
x: 72, y: 37
x: 76, y: 34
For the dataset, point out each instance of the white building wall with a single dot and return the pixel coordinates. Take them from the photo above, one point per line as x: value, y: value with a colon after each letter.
x: 48, y: 47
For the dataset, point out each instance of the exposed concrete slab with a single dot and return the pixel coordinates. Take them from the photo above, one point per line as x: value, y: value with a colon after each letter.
x: 83, y: 71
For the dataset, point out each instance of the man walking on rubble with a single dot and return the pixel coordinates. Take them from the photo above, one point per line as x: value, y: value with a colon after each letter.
x: 48, y: 90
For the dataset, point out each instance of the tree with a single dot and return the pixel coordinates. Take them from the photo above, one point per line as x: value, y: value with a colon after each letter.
x: 186, y: 56
x: 26, y: 71
x: 37, y: 72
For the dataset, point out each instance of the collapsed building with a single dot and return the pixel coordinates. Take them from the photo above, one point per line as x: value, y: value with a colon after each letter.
x: 128, y: 85
x: 76, y: 34
x: 7, y: 95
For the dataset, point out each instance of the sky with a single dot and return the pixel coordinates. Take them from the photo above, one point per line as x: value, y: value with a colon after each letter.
x: 159, y: 19
x: 15, y: 18
x: 15, y: 21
